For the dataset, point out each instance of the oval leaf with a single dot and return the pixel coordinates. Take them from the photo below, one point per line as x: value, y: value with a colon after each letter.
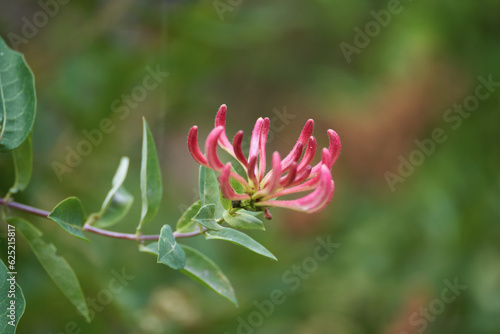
x: 23, y: 166
x: 243, y: 220
x: 151, y: 187
x: 186, y: 222
x: 205, y: 217
x: 56, y: 266
x: 203, y: 270
x: 241, y: 239
x: 209, y: 190
x: 10, y: 319
x: 69, y: 214
x: 169, y: 251
x: 17, y: 99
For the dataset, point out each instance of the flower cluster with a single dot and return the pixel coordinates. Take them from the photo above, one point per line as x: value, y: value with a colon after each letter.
x: 287, y: 176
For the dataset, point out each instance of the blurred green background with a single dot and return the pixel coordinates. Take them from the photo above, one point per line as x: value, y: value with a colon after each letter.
x: 399, y: 243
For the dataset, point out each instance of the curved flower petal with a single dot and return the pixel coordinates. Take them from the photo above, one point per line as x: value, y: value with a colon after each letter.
x: 220, y: 120
x: 263, y: 142
x: 264, y: 132
x: 333, y: 149
x: 211, y: 149
x: 326, y: 202
x: 284, y: 167
x: 275, y: 174
x: 302, y: 176
x: 251, y: 170
x: 307, y: 185
x: 254, y: 141
x: 325, y: 160
x: 285, y: 164
x: 304, y: 136
x: 272, y: 180
x: 238, y: 152
x: 309, y: 155
x: 225, y: 186
x: 194, y: 148
x: 290, y: 177
x: 312, y: 201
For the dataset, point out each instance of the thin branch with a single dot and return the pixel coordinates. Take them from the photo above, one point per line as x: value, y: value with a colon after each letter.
x: 118, y: 235
x: 25, y: 208
x: 130, y: 236
x: 96, y: 230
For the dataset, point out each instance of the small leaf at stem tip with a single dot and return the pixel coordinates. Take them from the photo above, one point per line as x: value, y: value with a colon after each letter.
x: 243, y: 220
x: 69, y: 214
x: 169, y: 251
x: 151, y: 186
x: 56, y: 266
x: 206, y: 217
x: 118, y: 200
x: 23, y: 165
x: 204, y: 271
x: 241, y: 239
x: 186, y: 222
x: 118, y: 179
x: 17, y: 98
x: 8, y: 325
x: 119, y: 207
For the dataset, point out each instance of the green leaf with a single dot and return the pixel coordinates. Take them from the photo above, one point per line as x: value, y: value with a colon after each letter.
x: 205, y: 217
x: 118, y: 179
x: 209, y: 190
x: 152, y: 248
x: 118, y: 201
x: 56, y: 266
x: 17, y: 99
x: 186, y: 222
x: 169, y: 251
x: 69, y: 214
x: 203, y: 270
x: 226, y: 203
x: 23, y: 165
x: 151, y: 187
x: 241, y: 239
x: 243, y: 220
x: 119, y: 207
x: 10, y: 317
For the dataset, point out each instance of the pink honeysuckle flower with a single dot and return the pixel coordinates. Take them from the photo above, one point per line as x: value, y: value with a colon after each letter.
x: 287, y: 176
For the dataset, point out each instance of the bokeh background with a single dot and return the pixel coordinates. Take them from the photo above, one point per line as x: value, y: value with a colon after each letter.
x: 398, y: 245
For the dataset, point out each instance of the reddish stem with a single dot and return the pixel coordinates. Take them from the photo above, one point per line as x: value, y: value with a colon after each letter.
x: 96, y: 230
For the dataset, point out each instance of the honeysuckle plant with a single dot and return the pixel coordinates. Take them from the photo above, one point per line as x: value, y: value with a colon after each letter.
x: 230, y: 201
